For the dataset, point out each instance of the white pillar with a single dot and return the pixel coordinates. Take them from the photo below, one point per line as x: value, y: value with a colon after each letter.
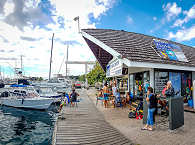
x: 128, y: 82
x: 193, y: 92
x: 152, y: 78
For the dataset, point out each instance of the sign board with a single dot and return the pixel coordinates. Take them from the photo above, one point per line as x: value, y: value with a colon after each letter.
x: 161, y: 78
x: 114, y: 69
x: 169, y: 51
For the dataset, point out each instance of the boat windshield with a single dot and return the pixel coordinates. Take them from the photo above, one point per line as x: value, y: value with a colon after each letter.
x: 45, y: 90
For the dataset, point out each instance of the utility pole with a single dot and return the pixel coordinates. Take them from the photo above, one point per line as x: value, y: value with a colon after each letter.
x: 51, y: 57
x: 67, y: 61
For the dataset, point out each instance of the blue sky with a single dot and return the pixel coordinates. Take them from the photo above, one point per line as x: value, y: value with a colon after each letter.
x: 26, y: 28
x: 149, y: 17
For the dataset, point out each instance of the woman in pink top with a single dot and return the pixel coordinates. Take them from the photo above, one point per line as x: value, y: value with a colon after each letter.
x: 163, y: 91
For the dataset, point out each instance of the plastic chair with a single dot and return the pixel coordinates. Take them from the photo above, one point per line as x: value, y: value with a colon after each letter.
x: 118, y: 102
x: 75, y: 103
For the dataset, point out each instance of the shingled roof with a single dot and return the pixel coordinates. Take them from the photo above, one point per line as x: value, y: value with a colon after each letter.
x: 136, y: 47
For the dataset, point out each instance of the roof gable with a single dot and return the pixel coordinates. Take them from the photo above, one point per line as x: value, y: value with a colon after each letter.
x: 138, y: 47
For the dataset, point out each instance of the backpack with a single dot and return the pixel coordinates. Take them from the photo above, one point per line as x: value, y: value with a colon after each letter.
x: 140, y: 106
x: 132, y: 114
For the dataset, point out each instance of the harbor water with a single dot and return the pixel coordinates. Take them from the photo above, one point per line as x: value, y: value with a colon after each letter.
x: 26, y: 127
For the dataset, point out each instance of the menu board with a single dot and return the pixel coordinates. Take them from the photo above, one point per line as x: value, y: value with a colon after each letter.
x: 161, y: 78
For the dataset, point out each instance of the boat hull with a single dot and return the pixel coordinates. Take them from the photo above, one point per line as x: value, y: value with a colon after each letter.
x: 56, y: 98
x: 32, y: 103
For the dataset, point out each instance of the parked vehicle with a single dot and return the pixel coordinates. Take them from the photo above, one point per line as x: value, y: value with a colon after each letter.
x: 77, y: 85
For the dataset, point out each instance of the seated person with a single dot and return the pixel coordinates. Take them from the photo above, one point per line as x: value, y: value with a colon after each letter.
x: 73, y: 96
x: 128, y: 98
x: 100, y: 94
x: 118, y: 98
x: 167, y: 92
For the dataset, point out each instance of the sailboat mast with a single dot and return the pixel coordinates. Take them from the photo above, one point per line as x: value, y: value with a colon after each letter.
x: 21, y: 65
x: 51, y: 57
x: 67, y: 61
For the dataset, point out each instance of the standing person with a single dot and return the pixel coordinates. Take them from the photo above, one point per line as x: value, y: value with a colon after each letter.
x: 110, y: 86
x: 106, y: 93
x: 73, y: 86
x: 152, y: 103
x: 114, y: 90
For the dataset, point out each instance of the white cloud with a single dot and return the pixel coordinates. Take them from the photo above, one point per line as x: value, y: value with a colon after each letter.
x: 183, y: 35
x: 20, y: 26
x: 172, y: 10
x: 154, y: 18
x: 8, y: 8
x: 189, y: 15
x: 129, y: 20
x: 82, y: 8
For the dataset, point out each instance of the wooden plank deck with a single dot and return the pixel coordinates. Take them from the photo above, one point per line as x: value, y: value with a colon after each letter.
x: 85, y: 125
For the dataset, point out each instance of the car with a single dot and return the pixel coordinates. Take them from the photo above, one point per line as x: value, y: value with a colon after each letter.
x: 77, y: 85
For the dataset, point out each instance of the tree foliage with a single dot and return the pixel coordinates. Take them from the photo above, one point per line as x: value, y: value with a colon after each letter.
x: 97, y: 74
x: 40, y: 79
x: 82, y: 78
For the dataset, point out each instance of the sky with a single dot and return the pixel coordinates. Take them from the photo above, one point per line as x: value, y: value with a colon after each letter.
x: 27, y: 26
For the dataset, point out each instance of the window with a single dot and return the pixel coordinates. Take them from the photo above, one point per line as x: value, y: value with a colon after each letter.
x: 161, y: 79
x: 175, y: 78
x: 186, y: 84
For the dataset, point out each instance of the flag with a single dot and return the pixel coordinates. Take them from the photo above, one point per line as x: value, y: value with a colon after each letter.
x: 76, y: 18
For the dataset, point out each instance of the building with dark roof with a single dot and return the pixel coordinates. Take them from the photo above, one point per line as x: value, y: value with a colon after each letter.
x: 143, y: 59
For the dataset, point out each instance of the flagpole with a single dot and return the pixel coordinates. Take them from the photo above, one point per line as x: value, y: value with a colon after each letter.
x: 77, y: 19
x: 79, y: 26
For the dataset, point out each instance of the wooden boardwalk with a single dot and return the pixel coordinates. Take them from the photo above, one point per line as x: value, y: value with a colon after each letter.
x: 85, y: 125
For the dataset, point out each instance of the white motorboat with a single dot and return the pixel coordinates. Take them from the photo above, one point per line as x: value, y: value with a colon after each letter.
x: 21, y: 96
x: 29, y: 103
x: 47, y: 92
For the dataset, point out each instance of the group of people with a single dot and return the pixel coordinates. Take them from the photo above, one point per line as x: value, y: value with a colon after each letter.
x: 113, y: 91
x: 152, y: 101
x: 69, y: 98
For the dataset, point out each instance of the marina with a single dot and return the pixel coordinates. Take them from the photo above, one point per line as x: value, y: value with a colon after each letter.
x: 97, y: 72
x: 26, y: 127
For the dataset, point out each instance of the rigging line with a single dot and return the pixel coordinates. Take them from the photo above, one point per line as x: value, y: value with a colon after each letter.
x: 62, y: 63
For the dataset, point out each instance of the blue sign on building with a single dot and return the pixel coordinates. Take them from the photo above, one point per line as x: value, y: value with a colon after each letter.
x: 169, y: 51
